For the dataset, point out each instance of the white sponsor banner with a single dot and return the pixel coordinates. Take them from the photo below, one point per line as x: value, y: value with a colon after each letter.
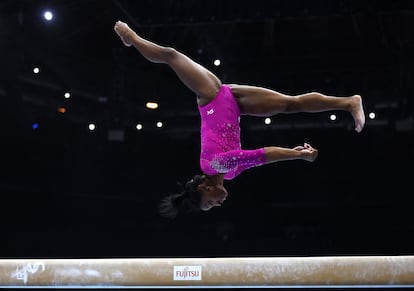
x: 183, y: 273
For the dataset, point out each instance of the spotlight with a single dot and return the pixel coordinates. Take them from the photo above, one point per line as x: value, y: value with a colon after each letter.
x: 67, y: 95
x: 35, y: 125
x: 36, y: 70
x: 332, y: 117
x: 267, y: 121
x: 371, y: 115
x: 91, y: 126
x: 159, y: 124
x: 139, y: 126
x: 48, y: 15
x: 152, y: 105
x: 217, y: 62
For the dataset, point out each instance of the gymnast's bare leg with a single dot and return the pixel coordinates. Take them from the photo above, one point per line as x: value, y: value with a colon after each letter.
x: 252, y: 100
x: 197, y: 78
x: 265, y: 102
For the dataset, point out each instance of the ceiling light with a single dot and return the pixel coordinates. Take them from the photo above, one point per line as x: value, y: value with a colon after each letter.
x: 152, y: 105
x: 48, y: 15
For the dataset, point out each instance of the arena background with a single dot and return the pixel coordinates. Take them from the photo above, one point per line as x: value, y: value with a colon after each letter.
x: 67, y: 191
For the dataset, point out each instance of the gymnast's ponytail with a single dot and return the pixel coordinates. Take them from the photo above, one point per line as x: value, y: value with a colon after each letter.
x: 188, y: 200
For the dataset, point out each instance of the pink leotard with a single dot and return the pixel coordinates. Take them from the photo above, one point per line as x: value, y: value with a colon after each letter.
x: 220, y: 138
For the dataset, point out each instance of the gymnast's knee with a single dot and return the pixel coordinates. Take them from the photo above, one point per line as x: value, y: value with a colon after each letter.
x: 293, y: 104
x: 162, y: 55
x: 169, y: 54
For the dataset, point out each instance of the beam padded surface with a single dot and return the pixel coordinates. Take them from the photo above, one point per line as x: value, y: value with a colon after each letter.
x: 209, y: 272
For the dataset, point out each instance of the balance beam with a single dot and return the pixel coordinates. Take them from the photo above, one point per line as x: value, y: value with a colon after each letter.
x: 250, y: 272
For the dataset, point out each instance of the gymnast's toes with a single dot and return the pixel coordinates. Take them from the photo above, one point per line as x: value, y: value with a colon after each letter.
x: 123, y: 31
x: 358, y: 113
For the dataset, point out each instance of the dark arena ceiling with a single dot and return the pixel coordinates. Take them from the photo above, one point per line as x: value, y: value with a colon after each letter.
x: 83, y: 187
x: 337, y: 47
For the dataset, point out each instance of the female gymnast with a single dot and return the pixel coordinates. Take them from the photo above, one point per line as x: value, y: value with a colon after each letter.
x: 220, y: 106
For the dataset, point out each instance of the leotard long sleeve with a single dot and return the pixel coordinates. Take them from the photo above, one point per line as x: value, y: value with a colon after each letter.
x: 220, y: 138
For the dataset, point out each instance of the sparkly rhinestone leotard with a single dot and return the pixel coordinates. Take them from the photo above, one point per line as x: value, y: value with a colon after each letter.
x: 220, y: 138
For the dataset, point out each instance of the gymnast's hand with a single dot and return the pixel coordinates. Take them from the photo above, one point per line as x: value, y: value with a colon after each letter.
x: 309, y: 153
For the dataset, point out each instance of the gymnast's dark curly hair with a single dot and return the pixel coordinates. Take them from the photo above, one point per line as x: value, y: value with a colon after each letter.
x: 187, y: 201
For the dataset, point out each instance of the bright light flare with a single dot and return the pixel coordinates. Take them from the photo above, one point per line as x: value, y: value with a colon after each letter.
x: 152, y: 105
x: 48, y: 15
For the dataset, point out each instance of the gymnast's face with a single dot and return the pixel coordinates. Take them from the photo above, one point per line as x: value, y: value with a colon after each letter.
x: 212, y: 195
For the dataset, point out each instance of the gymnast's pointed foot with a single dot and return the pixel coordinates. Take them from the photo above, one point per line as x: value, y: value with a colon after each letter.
x: 357, y: 111
x: 124, y: 32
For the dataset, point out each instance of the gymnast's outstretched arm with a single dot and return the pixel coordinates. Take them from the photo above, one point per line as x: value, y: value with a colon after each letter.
x: 305, y: 152
x: 197, y: 78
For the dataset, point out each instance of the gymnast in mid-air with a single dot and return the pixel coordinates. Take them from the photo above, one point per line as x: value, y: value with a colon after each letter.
x: 220, y: 106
